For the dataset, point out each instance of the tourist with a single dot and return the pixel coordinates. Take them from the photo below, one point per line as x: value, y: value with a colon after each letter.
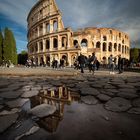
x: 81, y: 60
x: 120, y: 64
x: 111, y: 64
x: 93, y: 61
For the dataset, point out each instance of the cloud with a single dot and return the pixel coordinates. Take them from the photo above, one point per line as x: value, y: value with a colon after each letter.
x: 120, y: 14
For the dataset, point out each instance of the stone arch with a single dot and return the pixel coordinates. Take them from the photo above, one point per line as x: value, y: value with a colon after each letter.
x: 41, y: 46
x: 64, y: 41
x: 55, y: 43
x: 73, y: 58
x: 122, y: 48
x: 110, y: 47
x: 98, y: 45
x: 115, y: 47
x: 119, y: 47
x: 104, y: 38
x: 84, y: 43
x: 47, y: 44
x: 104, y: 47
x: 48, y: 60
x: 75, y: 43
x: 47, y: 27
x: 36, y: 47
x: 55, y: 25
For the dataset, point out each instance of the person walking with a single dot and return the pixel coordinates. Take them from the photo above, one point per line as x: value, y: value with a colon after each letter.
x: 81, y: 60
x: 111, y: 63
x: 93, y: 61
x: 120, y: 64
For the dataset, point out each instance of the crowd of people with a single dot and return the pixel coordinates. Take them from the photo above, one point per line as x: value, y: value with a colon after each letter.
x: 93, y: 64
x: 113, y: 64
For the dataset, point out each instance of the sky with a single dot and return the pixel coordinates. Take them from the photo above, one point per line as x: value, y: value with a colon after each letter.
x: 120, y: 14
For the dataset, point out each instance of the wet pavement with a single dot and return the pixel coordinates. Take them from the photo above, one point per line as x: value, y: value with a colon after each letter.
x: 85, y: 107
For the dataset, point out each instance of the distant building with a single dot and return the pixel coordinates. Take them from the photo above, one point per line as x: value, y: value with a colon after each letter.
x: 48, y: 39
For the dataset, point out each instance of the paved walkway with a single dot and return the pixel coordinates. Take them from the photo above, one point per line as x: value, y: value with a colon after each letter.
x: 43, y: 71
x: 100, y: 107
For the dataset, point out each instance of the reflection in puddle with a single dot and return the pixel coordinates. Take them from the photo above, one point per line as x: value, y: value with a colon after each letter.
x: 59, y: 97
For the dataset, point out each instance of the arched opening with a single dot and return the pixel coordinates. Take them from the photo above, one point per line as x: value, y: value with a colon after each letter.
x: 41, y: 46
x: 47, y: 27
x: 55, y: 43
x: 47, y: 44
x: 119, y: 47
x: 36, y: 48
x: 84, y: 43
x: 104, y: 47
x: 123, y: 49
x: 104, y: 38
x: 64, y: 42
x: 75, y: 43
x: 119, y: 35
x: 98, y: 44
x: 123, y: 41
x: 55, y: 26
x: 41, y: 30
x: 115, y: 47
x: 64, y: 57
x: 110, y: 47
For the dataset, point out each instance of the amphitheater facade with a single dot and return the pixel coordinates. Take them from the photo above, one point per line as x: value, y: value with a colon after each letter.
x: 48, y: 39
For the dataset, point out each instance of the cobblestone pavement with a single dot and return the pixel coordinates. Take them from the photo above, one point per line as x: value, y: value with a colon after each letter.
x: 109, y: 106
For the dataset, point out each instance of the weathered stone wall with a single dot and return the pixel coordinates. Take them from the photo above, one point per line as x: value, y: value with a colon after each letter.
x: 48, y: 39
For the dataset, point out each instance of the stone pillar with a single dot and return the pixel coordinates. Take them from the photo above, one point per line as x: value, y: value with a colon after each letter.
x: 51, y: 43
x: 38, y: 31
x: 44, y: 58
x: 59, y: 42
x: 44, y: 28
x: 38, y: 47
x: 101, y: 51
x: 69, y: 59
x: 44, y: 45
x: 51, y: 26
x: 59, y: 23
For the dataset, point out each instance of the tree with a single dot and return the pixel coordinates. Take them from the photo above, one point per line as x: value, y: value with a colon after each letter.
x: 9, y: 49
x: 22, y: 57
x: 134, y: 54
x: 1, y: 46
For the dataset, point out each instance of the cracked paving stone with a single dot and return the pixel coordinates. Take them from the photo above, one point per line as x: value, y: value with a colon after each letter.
x: 11, y: 94
x: 127, y: 95
x: 89, y: 91
x: 42, y: 110
x: 103, y: 97
x: 17, y: 103
x: 30, y: 93
x: 135, y: 110
x: 90, y: 100
x: 118, y: 104
x: 7, y: 121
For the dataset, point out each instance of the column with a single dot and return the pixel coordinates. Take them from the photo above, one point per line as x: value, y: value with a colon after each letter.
x: 51, y: 43
x: 51, y: 26
x: 44, y: 28
x: 44, y: 45
x: 68, y: 39
x: 69, y: 59
x: 59, y: 23
x: 44, y: 58
x: 38, y: 49
x: 101, y: 51
x: 38, y: 31
x: 59, y: 42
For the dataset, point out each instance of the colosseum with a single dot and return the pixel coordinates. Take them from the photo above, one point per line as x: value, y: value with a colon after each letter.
x: 48, y: 39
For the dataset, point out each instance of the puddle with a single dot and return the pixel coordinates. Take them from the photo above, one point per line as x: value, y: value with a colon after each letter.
x: 60, y: 97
